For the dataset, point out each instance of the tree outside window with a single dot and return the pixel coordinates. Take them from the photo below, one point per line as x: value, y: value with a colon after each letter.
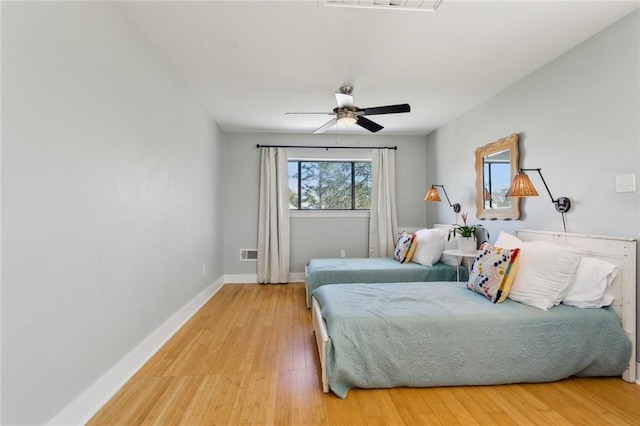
x: 329, y: 185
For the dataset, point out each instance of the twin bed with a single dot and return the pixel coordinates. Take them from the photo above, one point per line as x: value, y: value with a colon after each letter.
x: 419, y: 334
x: 320, y: 272
x: 324, y: 271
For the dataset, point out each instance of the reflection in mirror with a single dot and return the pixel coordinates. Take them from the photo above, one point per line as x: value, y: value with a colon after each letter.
x: 496, y: 165
x: 497, y: 179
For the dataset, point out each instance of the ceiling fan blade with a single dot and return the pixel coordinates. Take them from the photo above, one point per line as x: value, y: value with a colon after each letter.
x: 368, y: 124
x: 326, y: 126
x: 344, y: 100
x: 389, y: 109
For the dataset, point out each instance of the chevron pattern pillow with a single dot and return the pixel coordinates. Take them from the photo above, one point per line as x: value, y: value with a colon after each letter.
x: 493, y: 272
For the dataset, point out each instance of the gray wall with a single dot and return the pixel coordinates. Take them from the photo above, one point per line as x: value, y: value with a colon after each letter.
x: 312, y: 236
x: 111, y: 189
x: 579, y: 120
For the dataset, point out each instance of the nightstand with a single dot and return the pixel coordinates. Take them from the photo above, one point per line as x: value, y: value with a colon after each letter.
x: 467, y: 258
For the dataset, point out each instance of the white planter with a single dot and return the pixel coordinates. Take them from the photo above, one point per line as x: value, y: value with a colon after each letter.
x: 467, y: 245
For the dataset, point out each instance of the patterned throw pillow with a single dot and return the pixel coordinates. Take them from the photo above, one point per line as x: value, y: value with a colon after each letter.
x: 493, y: 272
x: 405, y: 247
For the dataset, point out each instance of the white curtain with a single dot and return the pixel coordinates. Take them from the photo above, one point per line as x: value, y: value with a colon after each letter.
x: 383, y: 220
x: 273, y: 220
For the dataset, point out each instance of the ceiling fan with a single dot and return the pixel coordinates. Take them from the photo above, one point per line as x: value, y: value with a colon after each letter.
x: 347, y: 114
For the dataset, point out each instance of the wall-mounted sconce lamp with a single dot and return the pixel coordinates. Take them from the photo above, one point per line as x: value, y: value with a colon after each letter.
x: 432, y: 195
x: 522, y: 187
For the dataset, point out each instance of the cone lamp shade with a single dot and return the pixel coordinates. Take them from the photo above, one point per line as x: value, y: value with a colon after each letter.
x: 487, y: 195
x: 522, y: 187
x: 432, y: 195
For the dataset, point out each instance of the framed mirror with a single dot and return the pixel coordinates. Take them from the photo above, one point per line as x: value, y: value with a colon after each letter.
x: 496, y: 165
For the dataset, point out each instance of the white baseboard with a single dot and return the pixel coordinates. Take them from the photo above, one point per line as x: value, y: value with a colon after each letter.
x: 241, y: 279
x: 637, y: 373
x: 80, y: 410
x: 294, y: 277
x: 297, y: 277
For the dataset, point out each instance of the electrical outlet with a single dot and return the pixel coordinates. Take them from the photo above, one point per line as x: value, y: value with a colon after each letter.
x: 204, y: 269
x: 626, y: 183
x: 343, y: 253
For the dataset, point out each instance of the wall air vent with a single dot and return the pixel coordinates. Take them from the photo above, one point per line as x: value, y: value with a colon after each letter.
x: 406, y: 5
x: 249, y: 255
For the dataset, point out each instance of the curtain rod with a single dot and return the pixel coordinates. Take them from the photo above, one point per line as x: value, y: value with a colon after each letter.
x: 328, y: 147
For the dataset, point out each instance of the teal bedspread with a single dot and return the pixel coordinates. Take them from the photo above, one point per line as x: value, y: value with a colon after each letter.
x: 375, y: 270
x: 411, y: 334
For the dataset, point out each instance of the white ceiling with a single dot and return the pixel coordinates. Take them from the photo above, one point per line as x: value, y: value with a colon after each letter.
x: 249, y: 62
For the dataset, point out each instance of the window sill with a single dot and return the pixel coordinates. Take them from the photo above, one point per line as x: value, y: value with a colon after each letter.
x: 328, y: 213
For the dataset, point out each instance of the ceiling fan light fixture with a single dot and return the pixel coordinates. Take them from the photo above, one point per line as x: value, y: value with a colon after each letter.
x: 347, y: 118
x: 346, y: 114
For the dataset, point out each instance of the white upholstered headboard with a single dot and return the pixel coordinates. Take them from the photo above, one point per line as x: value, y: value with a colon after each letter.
x: 617, y: 250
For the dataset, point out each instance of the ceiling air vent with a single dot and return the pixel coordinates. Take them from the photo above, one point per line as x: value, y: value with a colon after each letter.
x: 408, y: 5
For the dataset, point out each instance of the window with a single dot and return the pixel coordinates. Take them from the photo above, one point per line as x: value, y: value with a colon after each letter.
x: 329, y: 185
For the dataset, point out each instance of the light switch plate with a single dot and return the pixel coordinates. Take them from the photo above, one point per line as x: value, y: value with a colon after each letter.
x: 626, y: 183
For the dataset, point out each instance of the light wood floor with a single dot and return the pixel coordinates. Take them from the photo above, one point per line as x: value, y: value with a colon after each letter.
x: 249, y: 357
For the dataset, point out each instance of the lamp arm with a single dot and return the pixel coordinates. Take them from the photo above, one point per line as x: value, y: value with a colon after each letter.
x: 543, y: 181
x: 563, y: 204
x: 456, y: 206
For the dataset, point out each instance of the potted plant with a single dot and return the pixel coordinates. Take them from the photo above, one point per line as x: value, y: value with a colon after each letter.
x: 467, y: 235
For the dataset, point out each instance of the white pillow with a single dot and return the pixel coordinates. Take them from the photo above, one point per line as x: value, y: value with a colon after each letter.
x: 508, y: 241
x: 430, y: 246
x: 546, y: 270
x: 450, y: 244
x: 592, y: 285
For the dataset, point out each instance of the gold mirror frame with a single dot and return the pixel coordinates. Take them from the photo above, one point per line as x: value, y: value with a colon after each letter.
x: 509, y: 143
